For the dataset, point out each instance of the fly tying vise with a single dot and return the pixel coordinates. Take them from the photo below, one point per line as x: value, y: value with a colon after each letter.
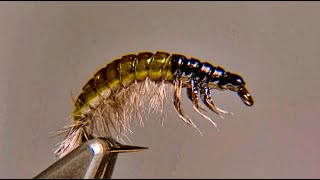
x: 121, y: 90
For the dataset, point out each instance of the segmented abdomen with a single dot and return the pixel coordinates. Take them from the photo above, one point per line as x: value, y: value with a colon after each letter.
x: 122, y: 73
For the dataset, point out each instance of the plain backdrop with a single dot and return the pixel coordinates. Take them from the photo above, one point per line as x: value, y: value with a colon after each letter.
x: 49, y: 49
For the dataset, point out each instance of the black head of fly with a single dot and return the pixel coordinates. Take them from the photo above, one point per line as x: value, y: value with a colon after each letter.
x: 234, y: 82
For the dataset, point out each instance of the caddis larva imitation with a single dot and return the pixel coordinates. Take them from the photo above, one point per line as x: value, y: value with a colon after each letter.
x: 126, y: 87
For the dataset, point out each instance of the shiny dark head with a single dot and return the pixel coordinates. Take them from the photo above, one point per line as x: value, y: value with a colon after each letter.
x: 234, y: 82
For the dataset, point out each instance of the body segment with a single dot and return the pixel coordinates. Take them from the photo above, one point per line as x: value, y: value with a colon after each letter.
x: 121, y: 73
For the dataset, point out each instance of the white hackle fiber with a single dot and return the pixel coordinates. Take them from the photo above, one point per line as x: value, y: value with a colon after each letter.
x: 116, y: 114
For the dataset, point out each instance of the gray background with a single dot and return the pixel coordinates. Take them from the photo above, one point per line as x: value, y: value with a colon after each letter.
x: 48, y: 49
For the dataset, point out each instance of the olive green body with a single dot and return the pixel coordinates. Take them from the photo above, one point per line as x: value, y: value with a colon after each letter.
x: 121, y: 73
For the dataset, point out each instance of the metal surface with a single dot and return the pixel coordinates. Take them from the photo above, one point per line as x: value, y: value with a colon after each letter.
x: 95, y: 159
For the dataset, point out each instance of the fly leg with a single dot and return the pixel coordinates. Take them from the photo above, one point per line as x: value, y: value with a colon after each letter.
x: 177, y: 104
x: 206, y: 98
x: 193, y: 95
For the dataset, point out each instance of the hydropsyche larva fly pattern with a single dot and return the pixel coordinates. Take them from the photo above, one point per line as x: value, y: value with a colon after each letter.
x: 124, y: 88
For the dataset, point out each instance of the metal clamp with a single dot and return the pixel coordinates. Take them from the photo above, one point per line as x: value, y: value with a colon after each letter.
x: 94, y: 159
